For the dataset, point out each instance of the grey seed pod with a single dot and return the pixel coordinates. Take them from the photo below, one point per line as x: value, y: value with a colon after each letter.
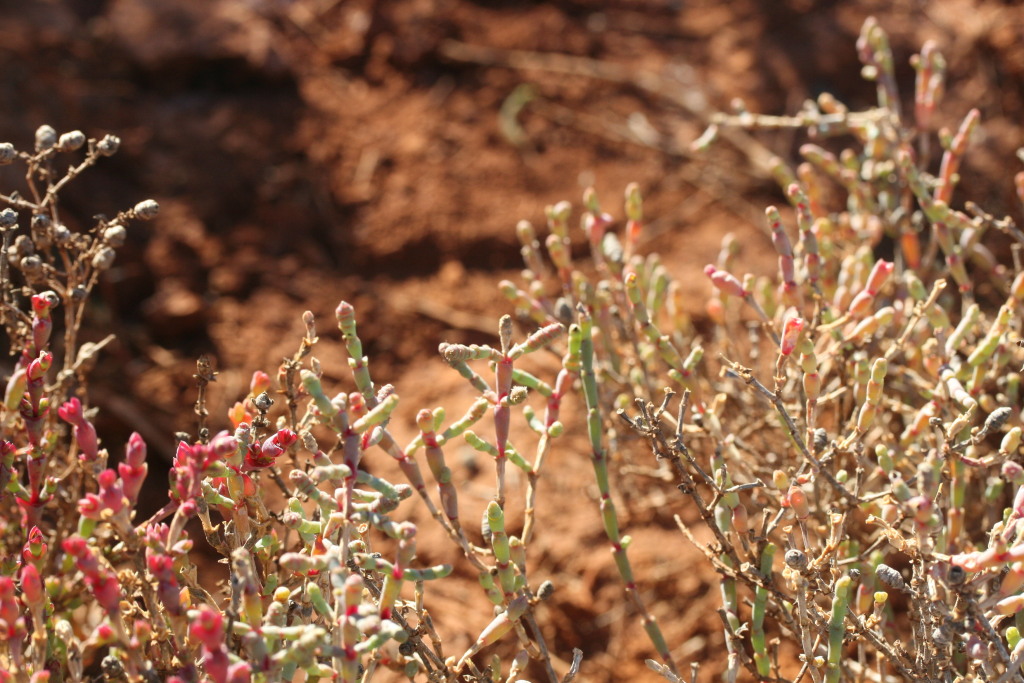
x: 890, y: 577
x: 956, y: 575
x: 103, y: 259
x: 820, y: 439
x: 796, y: 559
x: 107, y: 147
x: 855, y: 574
x: 7, y: 153
x: 115, y: 235
x: 146, y: 209
x: 546, y: 590
x: 997, y: 418
x: 263, y: 402
x: 113, y: 669
x: 31, y: 265
x: 407, y: 649
x: 23, y: 246
x: 61, y: 234
x: 46, y: 137
x: 8, y: 218
x: 79, y: 293
x: 563, y: 311
x: 41, y: 221
x: 71, y: 141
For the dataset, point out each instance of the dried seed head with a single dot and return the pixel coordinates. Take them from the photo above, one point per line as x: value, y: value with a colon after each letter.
x: 546, y: 590
x: 956, y: 575
x: 796, y: 559
x: 407, y: 649
x: 8, y: 218
x: 890, y: 577
x: 855, y: 574
x: 997, y: 418
x: 115, y: 235
x: 103, y: 259
x: 517, y: 395
x: 820, y: 439
x: 563, y: 310
x: 46, y: 137
x: 41, y: 221
x: 263, y: 402
x: 22, y: 247
x: 146, y: 209
x: 107, y: 147
x: 61, y: 234
x: 111, y: 666
x: 31, y: 266
x: 7, y: 153
x: 71, y: 141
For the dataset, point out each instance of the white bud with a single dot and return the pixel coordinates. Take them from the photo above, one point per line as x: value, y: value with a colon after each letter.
x: 71, y: 141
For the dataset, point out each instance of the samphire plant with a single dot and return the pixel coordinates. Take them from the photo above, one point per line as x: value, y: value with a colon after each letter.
x: 848, y: 430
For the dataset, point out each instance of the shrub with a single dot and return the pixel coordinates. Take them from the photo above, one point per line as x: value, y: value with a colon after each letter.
x: 847, y: 430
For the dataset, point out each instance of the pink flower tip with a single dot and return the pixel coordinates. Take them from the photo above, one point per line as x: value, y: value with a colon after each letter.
x: 791, y: 334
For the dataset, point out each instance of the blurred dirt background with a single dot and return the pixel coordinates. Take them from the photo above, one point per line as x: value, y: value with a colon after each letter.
x: 381, y: 151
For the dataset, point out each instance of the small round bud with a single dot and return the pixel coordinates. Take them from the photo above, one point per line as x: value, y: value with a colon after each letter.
x: 8, y: 218
x: 796, y: 559
x: 263, y: 402
x: 147, y: 209
x: 7, y: 153
x: 103, y: 259
x: 107, y: 147
x: 855, y: 574
x: 546, y: 590
x: 31, y: 265
x: 61, y: 234
x: 22, y: 247
x: 41, y: 221
x: 79, y: 293
x: 115, y: 235
x: 407, y: 649
x: 112, y: 667
x: 71, y: 141
x: 46, y: 137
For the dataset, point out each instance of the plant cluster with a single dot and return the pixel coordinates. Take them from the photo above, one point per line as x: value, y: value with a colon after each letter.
x: 848, y: 430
